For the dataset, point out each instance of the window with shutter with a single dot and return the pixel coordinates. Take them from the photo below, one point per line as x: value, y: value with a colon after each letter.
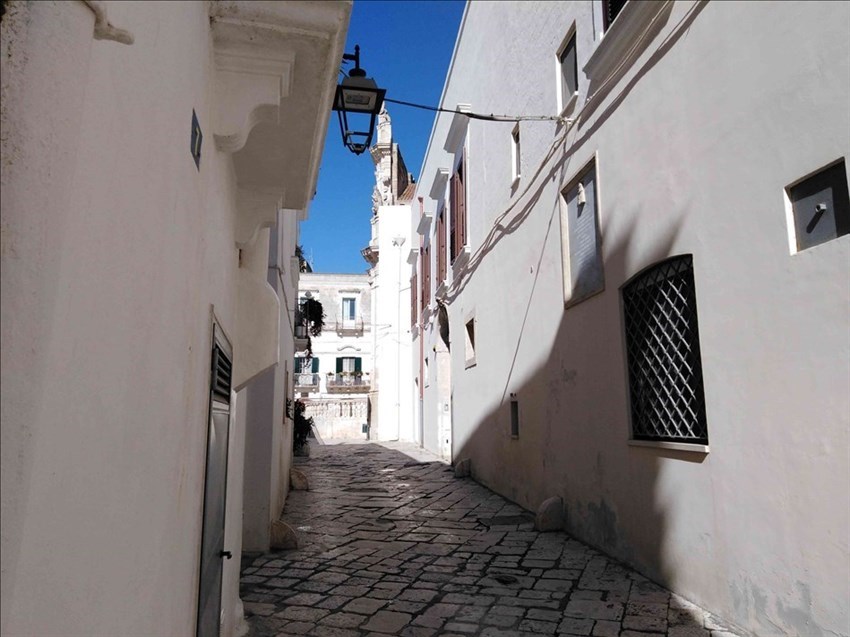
x: 414, y: 313
x: 426, y: 283
x: 441, y: 246
x: 458, y: 209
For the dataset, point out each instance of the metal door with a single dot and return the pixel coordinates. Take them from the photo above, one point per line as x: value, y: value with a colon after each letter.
x: 215, y: 490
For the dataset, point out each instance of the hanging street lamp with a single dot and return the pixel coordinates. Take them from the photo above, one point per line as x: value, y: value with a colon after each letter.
x: 360, y: 96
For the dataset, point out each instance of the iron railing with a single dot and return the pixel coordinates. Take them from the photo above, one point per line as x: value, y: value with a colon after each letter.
x: 307, y: 382
x: 348, y: 382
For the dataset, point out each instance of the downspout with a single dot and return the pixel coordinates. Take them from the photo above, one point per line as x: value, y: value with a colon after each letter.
x: 421, y: 342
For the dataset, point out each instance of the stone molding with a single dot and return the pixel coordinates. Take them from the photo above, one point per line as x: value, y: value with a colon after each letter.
x: 256, y: 209
x: 251, y: 82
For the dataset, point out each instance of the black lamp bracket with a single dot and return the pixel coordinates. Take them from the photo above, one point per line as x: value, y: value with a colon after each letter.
x: 355, y: 57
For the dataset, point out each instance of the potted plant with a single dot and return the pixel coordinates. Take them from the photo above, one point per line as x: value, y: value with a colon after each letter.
x: 302, y: 430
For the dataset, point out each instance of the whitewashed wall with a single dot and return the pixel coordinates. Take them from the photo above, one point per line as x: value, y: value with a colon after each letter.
x: 392, y: 326
x: 116, y: 252
x: 727, y: 105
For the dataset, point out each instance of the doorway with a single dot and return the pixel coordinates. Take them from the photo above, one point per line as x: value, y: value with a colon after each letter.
x: 215, y: 489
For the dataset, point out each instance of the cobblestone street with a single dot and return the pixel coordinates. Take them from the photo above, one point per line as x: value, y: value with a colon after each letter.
x: 392, y: 545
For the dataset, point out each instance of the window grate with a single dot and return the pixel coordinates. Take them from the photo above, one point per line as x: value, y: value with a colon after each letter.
x: 662, y: 342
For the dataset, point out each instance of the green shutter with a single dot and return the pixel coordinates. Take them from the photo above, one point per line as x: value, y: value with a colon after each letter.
x: 338, y: 365
x: 315, y: 364
x: 297, y: 367
x: 357, y: 366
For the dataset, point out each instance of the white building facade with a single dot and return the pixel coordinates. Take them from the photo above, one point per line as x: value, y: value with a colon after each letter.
x: 389, y: 253
x: 156, y: 160
x: 335, y: 382
x: 642, y: 307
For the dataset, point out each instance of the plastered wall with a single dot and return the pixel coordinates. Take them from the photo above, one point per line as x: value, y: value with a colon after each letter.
x: 117, y: 252
x: 724, y: 106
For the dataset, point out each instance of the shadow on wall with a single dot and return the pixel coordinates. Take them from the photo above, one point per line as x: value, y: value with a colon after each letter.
x: 574, y: 409
x: 574, y: 425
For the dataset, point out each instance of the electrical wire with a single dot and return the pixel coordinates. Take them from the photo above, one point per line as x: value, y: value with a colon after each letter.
x: 489, y: 118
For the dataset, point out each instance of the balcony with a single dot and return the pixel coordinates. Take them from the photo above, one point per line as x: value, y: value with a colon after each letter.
x: 306, y: 382
x: 300, y: 332
x: 349, y: 327
x: 348, y: 383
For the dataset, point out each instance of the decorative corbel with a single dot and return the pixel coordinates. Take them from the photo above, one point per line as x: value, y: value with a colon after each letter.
x: 251, y: 81
x: 256, y: 208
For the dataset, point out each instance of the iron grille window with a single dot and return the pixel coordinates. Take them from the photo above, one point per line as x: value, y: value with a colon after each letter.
x: 662, y: 342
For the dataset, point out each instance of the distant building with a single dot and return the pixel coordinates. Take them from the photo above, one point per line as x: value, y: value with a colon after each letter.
x: 642, y: 307
x: 335, y: 382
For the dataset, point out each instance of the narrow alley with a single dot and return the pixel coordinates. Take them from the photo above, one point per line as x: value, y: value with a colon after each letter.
x: 391, y: 543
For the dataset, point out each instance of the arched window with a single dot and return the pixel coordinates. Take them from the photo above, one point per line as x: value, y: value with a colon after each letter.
x: 662, y: 343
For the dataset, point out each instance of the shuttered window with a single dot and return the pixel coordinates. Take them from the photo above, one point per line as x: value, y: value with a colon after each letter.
x: 441, y: 246
x: 349, y: 364
x: 426, y: 277
x: 458, y: 208
x: 414, y: 310
x: 222, y: 370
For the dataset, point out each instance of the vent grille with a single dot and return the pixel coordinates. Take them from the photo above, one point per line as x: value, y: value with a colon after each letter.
x: 222, y: 370
x: 662, y: 340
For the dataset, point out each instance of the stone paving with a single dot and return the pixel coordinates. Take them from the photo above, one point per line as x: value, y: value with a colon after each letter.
x: 392, y: 545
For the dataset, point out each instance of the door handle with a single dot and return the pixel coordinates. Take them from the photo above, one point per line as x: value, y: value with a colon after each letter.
x: 226, y: 554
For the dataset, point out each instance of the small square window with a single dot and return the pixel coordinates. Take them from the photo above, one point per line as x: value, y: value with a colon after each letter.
x: 820, y: 207
x: 568, y: 79
x: 470, y: 342
x: 515, y: 154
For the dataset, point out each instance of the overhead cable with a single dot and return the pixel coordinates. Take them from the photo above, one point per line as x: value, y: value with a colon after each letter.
x: 489, y: 118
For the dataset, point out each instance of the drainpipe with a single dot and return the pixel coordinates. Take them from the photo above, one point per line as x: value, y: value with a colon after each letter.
x: 421, y: 343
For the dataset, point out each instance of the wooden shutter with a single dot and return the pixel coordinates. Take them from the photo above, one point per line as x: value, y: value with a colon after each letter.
x: 222, y: 370
x: 414, y: 312
x: 315, y: 365
x: 338, y: 365
x: 454, y: 222
x: 427, y: 281
x: 358, y: 364
x: 441, y: 247
x: 461, y: 202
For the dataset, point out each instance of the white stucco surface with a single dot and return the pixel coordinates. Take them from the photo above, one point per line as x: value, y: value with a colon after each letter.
x: 391, y: 287
x: 696, y: 135
x: 117, y: 251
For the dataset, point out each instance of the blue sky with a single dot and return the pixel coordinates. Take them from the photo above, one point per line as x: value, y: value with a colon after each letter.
x: 406, y: 47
